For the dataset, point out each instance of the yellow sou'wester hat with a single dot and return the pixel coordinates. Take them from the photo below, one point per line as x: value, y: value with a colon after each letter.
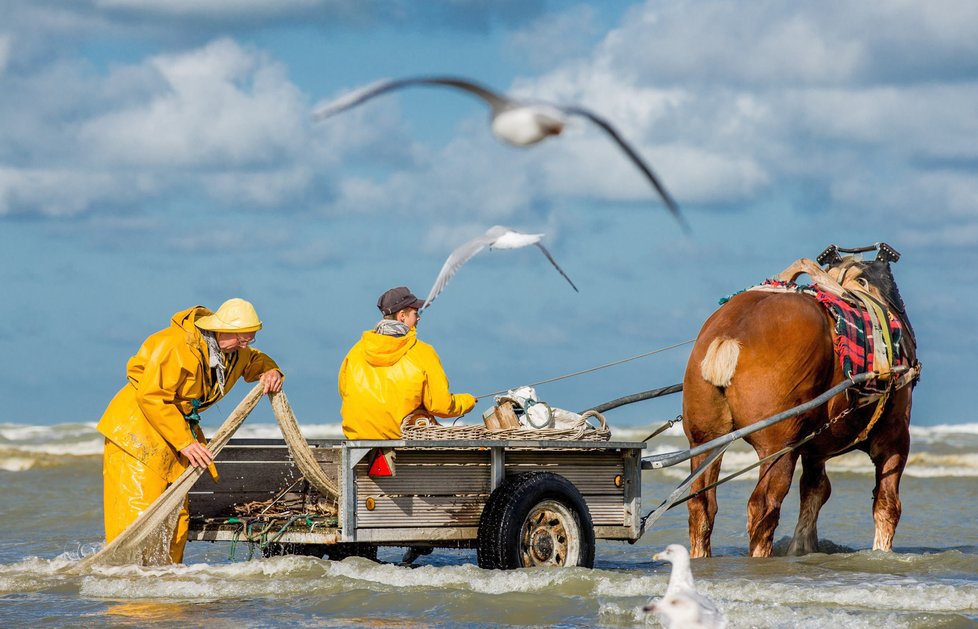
x: 234, y: 315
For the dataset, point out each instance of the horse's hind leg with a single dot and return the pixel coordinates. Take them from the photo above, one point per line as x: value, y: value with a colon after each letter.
x: 886, y: 497
x: 764, y: 506
x: 706, y: 416
x: 815, y: 490
x: 886, y: 500
x: 889, y: 449
x: 702, y: 508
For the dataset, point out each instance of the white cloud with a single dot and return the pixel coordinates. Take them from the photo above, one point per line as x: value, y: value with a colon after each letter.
x: 728, y: 101
x: 264, y: 188
x: 727, y: 42
x: 924, y: 202
x: 220, y: 119
x: 554, y: 37
x: 945, y: 235
x: 58, y: 192
x: 220, y: 105
x: 816, y: 43
x: 474, y: 175
x: 923, y: 120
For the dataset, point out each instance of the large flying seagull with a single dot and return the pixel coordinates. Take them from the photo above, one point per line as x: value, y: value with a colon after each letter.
x: 520, y: 123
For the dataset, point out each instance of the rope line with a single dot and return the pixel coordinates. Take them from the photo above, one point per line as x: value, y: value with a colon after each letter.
x: 584, y: 371
x: 664, y: 427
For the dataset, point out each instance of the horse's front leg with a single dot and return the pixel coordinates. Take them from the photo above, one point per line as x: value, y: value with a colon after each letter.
x: 764, y: 506
x: 702, y: 508
x: 815, y: 490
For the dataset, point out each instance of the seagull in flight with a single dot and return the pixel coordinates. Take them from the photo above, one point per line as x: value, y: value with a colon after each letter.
x: 497, y: 237
x: 520, y: 123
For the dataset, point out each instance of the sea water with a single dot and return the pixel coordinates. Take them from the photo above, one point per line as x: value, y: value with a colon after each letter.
x: 50, y: 511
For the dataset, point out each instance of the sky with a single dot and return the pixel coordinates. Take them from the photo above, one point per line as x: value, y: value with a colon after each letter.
x: 157, y: 154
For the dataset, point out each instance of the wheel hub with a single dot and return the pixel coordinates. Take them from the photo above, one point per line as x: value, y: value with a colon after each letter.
x: 541, y: 545
x: 545, y: 539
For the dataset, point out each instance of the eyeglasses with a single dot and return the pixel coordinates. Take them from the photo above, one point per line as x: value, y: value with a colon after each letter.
x: 245, y: 340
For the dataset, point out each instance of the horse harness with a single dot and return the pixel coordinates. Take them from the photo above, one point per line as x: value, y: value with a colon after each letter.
x: 839, y: 282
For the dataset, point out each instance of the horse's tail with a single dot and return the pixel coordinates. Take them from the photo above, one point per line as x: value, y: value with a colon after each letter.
x: 720, y: 362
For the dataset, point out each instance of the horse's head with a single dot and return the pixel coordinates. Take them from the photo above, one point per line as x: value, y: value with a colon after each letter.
x: 874, y: 277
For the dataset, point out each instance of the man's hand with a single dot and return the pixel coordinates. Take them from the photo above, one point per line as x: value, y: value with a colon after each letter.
x: 271, y: 381
x: 198, y: 454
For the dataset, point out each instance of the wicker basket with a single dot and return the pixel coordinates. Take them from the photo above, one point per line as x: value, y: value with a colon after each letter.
x: 582, y: 432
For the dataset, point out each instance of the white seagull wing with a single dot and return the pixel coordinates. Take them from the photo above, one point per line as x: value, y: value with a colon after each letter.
x: 495, y: 101
x: 456, y: 259
x: 636, y: 159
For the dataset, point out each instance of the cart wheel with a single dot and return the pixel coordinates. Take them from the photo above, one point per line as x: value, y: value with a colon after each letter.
x: 339, y: 552
x: 535, y: 519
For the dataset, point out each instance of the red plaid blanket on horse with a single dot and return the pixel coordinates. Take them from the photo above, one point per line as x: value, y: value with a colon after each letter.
x: 854, y: 341
x: 853, y: 325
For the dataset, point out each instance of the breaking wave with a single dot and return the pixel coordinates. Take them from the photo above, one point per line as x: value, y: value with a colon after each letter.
x: 859, y: 593
x: 948, y: 450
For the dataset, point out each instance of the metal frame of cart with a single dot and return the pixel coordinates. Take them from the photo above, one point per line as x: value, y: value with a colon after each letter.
x: 452, y: 493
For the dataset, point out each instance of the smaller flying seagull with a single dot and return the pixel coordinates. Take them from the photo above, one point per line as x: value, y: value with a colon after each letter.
x: 519, y: 123
x: 497, y: 237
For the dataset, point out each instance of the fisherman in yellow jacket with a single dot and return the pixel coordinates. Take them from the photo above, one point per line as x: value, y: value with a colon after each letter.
x: 151, y: 426
x: 389, y: 374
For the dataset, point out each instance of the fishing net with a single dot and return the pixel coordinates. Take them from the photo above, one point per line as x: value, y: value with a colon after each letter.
x: 299, y: 448
x: 147, y: 540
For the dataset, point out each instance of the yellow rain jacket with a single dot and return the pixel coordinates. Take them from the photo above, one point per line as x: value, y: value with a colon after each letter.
x: 170, y: 370
x: 145, y: 426
x: 384, y: 378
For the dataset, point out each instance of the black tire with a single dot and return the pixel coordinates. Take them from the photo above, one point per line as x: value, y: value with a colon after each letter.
x: 339, y: 552
x: 486, y: 546
x: 535, y: 519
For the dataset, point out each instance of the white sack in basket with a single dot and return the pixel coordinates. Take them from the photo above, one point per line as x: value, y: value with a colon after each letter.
x: 539, y: 415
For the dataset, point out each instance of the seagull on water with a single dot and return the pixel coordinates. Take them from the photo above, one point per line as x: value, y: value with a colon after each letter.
x: 520, y: 123
x: 682, y: 611
x: 682, y: 604
x: 497, y: 237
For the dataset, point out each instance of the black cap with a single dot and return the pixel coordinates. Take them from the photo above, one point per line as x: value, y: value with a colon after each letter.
x: 398, y: 299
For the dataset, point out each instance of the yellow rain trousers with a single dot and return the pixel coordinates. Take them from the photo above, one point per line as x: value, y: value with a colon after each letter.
x: 145, y: 426
x: 385, y: 378
x: 130, y: 488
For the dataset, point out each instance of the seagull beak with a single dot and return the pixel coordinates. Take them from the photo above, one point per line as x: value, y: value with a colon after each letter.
x: 649, y: 608
x: 658, y: 557
x: 550, y: 126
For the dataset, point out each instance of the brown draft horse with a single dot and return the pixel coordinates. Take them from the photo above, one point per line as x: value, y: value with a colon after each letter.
x: 762, y: 353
